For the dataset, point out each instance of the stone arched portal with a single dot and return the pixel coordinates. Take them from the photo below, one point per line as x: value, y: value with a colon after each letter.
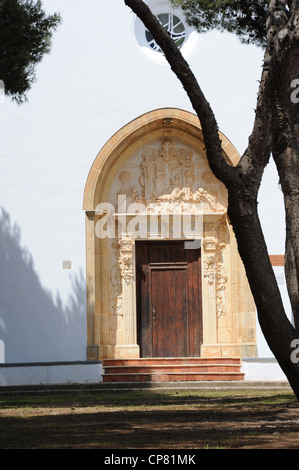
x: 156, y: 220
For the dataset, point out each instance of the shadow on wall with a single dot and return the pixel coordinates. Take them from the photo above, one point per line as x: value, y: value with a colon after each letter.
x: 34, y: 327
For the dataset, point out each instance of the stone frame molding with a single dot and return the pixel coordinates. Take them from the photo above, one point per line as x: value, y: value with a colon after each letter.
x: 228, y: 308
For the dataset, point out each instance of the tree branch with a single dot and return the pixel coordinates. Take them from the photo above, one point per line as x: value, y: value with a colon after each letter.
x: 256, y: 156
x: 222, y: 170
x: 259, y: 148
x: 258, y: 152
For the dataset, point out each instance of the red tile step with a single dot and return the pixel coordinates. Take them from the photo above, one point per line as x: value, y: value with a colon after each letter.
x: 172, y: 369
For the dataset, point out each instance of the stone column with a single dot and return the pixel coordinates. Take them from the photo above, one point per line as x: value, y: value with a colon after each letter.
x: 214, y: 284
x: 94, y: 351
x: 129, y: 348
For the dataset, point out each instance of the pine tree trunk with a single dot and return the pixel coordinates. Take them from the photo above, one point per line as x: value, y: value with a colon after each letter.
x: 276, y: 327
x: 285, y: 148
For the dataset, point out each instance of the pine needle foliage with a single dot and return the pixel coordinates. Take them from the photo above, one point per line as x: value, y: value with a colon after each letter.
x: 25, y: 36
x: 246, y: 19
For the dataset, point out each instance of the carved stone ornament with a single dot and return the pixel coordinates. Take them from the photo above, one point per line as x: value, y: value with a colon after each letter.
x: 130, y: 191
x: 115, y: 278
x: 213, y: 244
x: 126, y: 249
x: 167, y: 180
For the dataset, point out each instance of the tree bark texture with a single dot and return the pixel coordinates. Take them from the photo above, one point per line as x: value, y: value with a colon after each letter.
x: 285, y: 140
x: 278, y: 135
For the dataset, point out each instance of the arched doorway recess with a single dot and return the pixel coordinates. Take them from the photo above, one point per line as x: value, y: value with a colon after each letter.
x: 162, y: 260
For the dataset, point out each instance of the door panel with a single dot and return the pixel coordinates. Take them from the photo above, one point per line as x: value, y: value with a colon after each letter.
x: 168, y: 299
x: 169, y: 311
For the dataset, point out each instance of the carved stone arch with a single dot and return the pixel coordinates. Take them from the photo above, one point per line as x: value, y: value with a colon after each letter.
x: 132, y: 136
x: 166, y: 144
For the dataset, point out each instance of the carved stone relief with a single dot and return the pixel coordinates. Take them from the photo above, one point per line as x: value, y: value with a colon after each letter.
x: 214, y: 244
x: 115, y: 280
x: 127, y: 189
x: 122, y: 269
x: 126, y: 248
x: 169, y: 179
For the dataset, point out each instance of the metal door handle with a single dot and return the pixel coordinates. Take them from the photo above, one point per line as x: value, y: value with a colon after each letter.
x: 154, y: 313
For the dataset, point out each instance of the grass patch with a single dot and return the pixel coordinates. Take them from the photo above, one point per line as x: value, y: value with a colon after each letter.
x: 150, y: 419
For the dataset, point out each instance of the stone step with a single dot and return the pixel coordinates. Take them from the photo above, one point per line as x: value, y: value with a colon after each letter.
x: 172, y: 360
x: 174, y: 377
x: 168, y: 368
x: 172, y: 370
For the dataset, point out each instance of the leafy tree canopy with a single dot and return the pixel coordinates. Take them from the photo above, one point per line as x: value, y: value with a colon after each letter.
x: 244, y: 18
x: 25, y: 36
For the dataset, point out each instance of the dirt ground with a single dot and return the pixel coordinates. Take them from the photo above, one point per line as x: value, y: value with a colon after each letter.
x: 151, y: 421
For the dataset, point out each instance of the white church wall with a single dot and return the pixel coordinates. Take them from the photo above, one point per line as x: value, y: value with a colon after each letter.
x: 262, y: 370
x: 95, y: 81
x: 51, y: 373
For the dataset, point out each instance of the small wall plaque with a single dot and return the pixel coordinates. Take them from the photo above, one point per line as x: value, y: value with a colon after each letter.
x: 66, y: 265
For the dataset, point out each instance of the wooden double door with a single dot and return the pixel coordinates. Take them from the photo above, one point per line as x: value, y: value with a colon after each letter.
x: 168, y: 299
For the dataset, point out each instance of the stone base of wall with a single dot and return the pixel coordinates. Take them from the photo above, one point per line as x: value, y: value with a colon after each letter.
x: 229, y: 350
